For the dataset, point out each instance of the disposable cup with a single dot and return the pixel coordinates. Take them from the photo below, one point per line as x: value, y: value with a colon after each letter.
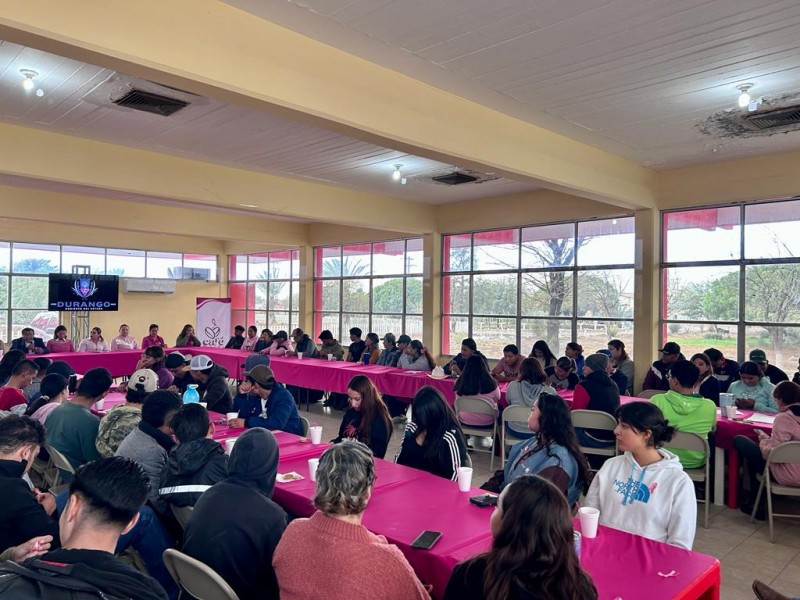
x: 229, y: 445
x: 730, y: 411
x: 315, y: 433
x: 231, y: 415
x: 299, y: 356
x: 330, y: 356
x: 100, y: 404
x: 725, y: 400
x: 589, y: 518
x: 313, y: 463
x: 464, y: 478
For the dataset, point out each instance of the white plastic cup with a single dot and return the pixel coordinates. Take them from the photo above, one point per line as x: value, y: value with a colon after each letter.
x: 231, y: 415
x: 464, y: 478
x: 330, y: 357
x: 299, y: 356
x: 730, y: 411
x: 315, y: 433
x: 589, y: 518
x: 229, y: 445
x: 204, y: 405
x: 725, y: 400
x: 100, y: 404
x: 313, y: 463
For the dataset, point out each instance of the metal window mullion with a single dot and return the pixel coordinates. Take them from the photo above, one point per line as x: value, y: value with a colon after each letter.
x: 741, y: 329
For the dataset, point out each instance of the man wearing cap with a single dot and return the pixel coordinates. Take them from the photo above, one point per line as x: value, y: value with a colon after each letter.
x: 236, y: 341
x: 330, y: 346
x: 656, y: 378
x: 268, y: 405
x: 178, y: 364
x: 772, y: 372
x: 726, y: 371
x: 124, y: 418
x: 212, y: 384
x: 303, y: 344
x: 390, y: 353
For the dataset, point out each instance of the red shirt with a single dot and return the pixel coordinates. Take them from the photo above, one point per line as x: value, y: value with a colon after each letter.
x: 10, y: 397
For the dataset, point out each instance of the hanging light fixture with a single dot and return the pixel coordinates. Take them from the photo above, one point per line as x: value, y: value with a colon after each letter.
x: 27, y: 81
x: 397, y: 174
x: 744, y: 95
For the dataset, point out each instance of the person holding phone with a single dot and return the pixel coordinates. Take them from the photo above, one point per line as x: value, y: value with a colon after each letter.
x: 367, y: 420
x: 786, y: 428
x: 532, y: 554
x: 753, y: 391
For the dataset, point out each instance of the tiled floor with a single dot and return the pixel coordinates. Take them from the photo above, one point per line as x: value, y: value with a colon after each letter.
x: 742, y: 548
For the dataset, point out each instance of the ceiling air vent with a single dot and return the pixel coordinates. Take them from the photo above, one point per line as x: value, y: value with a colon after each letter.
x: 149, y: 102
x: 454, y: 178
x: 774, y: 118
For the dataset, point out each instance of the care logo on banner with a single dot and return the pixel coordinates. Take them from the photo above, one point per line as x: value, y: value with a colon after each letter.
x: 213, y: 321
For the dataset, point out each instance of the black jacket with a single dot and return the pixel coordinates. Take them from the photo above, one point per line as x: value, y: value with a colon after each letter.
x: 215, y: 391
x: 379, y: 433
x: 235, y: 342
x: 21, y: 516
x: 192, y: 468
x: 235, y: 526
x: 76, y: 575
x: 603, y: 396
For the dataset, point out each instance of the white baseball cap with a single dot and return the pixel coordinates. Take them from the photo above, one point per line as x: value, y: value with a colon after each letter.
x: 200, y: 363
x: 143, y: 380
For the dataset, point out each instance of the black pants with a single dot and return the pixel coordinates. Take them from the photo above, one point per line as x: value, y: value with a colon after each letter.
x: 751, y: 453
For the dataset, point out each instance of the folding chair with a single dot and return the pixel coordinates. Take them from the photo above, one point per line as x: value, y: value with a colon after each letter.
x: 685, y: 440
x: 649, y: 393
x: 594, y: 419
x: 60, y: 462
x: 306, y: 425
x: 182, y: 514
x: 197, y: 579
x: 788, y: 452
x: 515, y: 413
x: 471, y: 404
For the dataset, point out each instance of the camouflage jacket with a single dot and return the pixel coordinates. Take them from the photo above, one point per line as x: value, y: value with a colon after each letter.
x: 115, y: 427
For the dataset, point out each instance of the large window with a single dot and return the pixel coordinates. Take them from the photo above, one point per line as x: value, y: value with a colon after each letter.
x: 731, y: 280
x: 24, y: 268
x: 374, y: 286
x: 264, y: 289
x: 561, y: 282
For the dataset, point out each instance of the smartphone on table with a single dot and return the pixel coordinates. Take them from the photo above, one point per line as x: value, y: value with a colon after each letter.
x: 426, y: 539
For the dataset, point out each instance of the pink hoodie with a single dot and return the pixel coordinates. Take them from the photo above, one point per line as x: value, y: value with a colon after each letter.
x: 785, y: 429
x: 278, y: 348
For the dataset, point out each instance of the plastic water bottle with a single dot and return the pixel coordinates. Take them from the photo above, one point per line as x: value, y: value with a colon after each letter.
x: 191, y: 395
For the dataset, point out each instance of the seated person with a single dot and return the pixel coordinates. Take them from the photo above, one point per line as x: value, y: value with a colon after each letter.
x: 186, y: 338
x: 153, y: 359
x: 212, y: 384
x: 468, y: 348
x: 477, y: 382
x: 707, y: 385
x: 124, y: 418
x: 95, y: 342
x: 153, y: 339
x: 433, y: 440
x: 124, y: 341
x: 531, y: 525
x: 796, y: 378
x: 179, y: 366
x: 60, y: 342
x: 31, y: 391
x: 596, y: 392
x: 303, y: 344
x: 541, y: 351
x: 372, y: 349
x: 552, y: 452
x: 264, y: 341
x: 237, y: 339
x: 72, y: 428
x: 239, y: 544
x: 414, y: 357
x: 564, y: 376
x: 357, y: 345
x: 530, y: 384
x: 367, y: 420
x: 726, y: 371
x: 11, y: 396
x: 7, y: 364
x: 150, y: 443
x: 645, y: 491
x: 280, y: 344
x: 390, y: 353
x: 330, y: 346
x: 104, y: 502
x: 28, y: 343
x: 786, y: 428
x: 197, y: 462
x: 574, y: 351
x: 345, y: 476
x: 616, y: 375
x: 266, y: 403
x: 507, y: 368
x: 775, y: 374
x: 35, y: 546
x: 686, y: 410
x: 656, y: 378
x: 622, y: 362
x: 54, y: 391
x: 251, y: 339
x: 753, y: 391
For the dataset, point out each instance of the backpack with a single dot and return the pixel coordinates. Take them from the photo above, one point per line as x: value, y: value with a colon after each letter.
x: 47, y: 581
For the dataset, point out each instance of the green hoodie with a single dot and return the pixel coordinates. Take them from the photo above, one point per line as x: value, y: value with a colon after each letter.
x: 692, y: 414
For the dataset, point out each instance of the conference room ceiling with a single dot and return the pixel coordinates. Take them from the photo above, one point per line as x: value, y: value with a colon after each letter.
x: 209, y: 130
x: 633, y: 77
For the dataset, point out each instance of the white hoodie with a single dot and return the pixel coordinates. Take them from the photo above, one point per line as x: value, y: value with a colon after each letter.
x: 656, y: 502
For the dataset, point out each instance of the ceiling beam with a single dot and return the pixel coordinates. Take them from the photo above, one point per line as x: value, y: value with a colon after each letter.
x: 213, y: 49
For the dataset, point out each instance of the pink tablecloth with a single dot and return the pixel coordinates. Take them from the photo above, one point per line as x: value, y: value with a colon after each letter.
x: 119, y: 363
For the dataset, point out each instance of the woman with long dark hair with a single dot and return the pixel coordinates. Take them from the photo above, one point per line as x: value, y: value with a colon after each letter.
x: 60, y: 341
x: 533, y: 553
x: 622, y: 362
x: 95, y: 342
x: 707, y: 385
x: 433, y: 440
x: 529, y: 385
x: 186, y: 338
x: 564, y: 375
x: 541, y: 351
x: 574, y: 351
x: 476, y: 381
x: 367, y: 420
